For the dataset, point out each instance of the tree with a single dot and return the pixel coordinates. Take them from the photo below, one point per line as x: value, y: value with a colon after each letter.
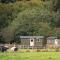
x: 57, y: 5
x: 2, y: 39
x: 7, y: 1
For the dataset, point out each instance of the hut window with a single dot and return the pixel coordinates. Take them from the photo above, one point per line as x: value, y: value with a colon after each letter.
x: 31, y: 40
x: 50, y: 41
x: 38, y: 40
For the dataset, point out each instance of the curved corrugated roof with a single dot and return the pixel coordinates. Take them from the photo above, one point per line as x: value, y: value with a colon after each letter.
x: 31, y: 36
x: 52, y: 37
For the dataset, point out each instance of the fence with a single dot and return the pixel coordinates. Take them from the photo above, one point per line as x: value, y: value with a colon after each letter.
x: 30, y: 47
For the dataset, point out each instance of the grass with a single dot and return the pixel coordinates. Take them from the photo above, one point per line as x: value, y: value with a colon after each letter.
x: 30, y: 56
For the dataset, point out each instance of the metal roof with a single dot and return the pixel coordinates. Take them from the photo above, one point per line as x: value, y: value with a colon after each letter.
x: 31, y: 36
x: 52, y: 37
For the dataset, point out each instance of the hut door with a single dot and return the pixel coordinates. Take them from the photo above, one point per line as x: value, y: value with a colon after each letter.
x: 56, y: 41
x: 31, y: 42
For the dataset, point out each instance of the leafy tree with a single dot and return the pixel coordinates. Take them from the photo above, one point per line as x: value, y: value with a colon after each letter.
x: 57, y: 5
x: 7, y: 1
x: 34, y: 17
x: 2, y: 39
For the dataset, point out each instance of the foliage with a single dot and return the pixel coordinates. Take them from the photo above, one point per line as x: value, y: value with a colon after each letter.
x: 7, y: 1
x: 2, y: 39
x: 33, y: 17
x: 56, y: 5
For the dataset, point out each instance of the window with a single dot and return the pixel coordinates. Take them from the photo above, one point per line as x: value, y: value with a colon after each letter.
x: 31, y: 40
x: 38, y: 40
x: 50, y: 41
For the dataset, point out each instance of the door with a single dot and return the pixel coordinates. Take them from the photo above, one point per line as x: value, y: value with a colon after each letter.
x: 31, y: 42
x: 56, y: 41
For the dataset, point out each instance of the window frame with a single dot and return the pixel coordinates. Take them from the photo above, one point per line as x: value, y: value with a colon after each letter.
x: 39, y: 40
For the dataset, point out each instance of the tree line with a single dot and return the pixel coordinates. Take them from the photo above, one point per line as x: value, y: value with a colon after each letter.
x: 28, y: 17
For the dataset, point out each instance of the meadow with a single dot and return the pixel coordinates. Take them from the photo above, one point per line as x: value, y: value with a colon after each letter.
x: 30, y: 56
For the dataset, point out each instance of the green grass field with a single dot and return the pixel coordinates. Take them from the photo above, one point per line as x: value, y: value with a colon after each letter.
x: 30, y: 56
